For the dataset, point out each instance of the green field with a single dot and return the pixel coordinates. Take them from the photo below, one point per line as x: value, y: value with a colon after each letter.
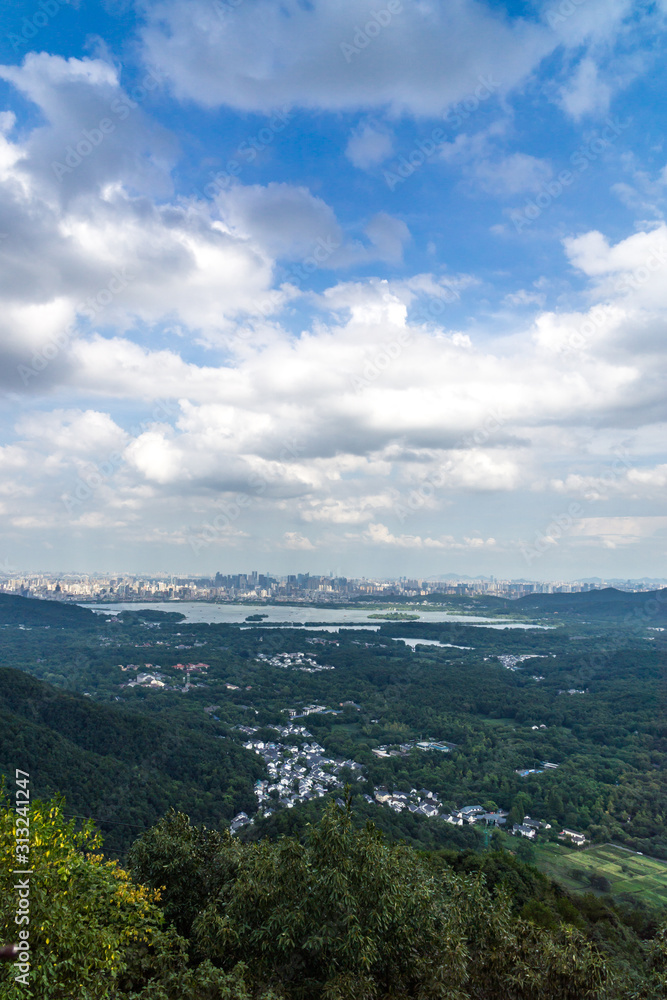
x: 627, y: 873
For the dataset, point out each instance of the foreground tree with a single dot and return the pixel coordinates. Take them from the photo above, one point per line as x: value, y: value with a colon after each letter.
x: 348, y: 915
x: 344, y: 915
x: 94, y: 934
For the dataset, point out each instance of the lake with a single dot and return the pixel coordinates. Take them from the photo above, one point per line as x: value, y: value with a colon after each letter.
x: 230, y: 614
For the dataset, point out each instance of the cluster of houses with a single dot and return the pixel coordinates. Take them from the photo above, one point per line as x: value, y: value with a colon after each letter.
x: 143, y: 679
x: 422, y: 802
x: 511, y: 662
x: 529, y: 827
x: 475, y: 814
x: 296, y: 773
x: 295, y: 661
x: 294, y: 713
x: 150, y: 677
x: 402, y: 749
x: 302, y: 773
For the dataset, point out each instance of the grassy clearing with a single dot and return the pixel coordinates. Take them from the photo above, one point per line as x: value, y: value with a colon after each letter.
x: 626, y: 873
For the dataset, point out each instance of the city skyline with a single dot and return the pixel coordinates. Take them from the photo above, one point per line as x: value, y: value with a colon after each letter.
x: 304, y: 586
x: 383, y: 290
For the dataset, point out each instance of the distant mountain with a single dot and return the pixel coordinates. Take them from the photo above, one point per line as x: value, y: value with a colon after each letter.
x: 608, y: 602
x: 16, y: 610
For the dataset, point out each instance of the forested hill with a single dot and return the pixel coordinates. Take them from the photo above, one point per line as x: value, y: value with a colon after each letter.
x: 600, y: 603
x: 117, y: 766
x: 16, y: 610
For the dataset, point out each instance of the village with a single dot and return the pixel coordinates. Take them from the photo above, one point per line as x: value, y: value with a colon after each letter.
x: 296, y: 661
x: 301, y: 773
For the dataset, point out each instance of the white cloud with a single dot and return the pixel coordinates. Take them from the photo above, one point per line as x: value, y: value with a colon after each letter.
x: 74, y: 432
x: 379, y: 534
x: 286, y: 221
x: 388, y: 235
x: 293, y: 540
x: 369, y: 145
x: 616, y: 531
x: 585, y: 93
x: 318, y: 56
x: 517, y: 173
x: 316, y: 428
x: 525, y: 298
x: 93, y: 131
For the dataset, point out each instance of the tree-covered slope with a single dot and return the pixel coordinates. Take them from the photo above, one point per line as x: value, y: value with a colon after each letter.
x: 15, y: 610
x: 340, y: 914
x: 122, y: 768
x: 604, y: 603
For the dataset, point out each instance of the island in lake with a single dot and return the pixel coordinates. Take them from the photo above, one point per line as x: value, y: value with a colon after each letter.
x: 396, y: 616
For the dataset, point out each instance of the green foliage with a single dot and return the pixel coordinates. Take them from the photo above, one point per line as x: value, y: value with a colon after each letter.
x: 123, y: 768
x: 94, y: 934
x: 348, y: 915
x: 28, y: 611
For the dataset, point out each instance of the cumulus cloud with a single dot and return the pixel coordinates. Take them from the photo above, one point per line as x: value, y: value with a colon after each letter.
x: 323, y: 55
x: 286, y: 220
x: 290, y: 425
x: 293, y: 540
x: 613, y: 532
x: 198, y: 394
x: 94, y: 131
x: 379, y: 534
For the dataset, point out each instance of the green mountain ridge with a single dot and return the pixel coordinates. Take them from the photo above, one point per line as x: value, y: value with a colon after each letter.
x: 116, y: 766
x: 16, y: 610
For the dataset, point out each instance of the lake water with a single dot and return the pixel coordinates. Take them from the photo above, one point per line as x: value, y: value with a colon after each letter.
x: 228, y: 614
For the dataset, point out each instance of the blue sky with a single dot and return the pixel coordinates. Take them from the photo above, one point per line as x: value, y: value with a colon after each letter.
x: 378, y: 288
